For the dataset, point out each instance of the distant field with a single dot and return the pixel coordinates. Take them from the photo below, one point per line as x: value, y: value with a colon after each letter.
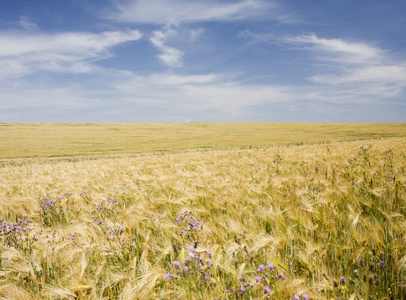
x: 70, y: 139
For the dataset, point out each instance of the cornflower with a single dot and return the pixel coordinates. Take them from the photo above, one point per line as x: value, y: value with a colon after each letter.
x: 176, y: 264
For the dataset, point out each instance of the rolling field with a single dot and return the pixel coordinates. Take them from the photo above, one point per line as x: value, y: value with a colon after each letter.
x: 297, y: 221
x: 67, y: 139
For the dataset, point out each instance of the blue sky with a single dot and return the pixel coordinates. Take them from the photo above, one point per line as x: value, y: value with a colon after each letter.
x: 202, y: 61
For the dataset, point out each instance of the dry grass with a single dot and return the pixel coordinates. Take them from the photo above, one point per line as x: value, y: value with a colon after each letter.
x: 55, y: 140
x: 313, y: 211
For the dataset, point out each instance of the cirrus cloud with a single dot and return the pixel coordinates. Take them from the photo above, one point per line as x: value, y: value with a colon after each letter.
x: 163, y: 12
x: 23, y: 53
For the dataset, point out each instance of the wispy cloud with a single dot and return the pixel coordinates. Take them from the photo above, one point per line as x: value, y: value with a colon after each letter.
x: 341, y: 71
x: 165, y: 12
x: 158, y: 97
x: 22, y: 53
x: 27, y: 24
x: 381, y: 74
x: 357, y: 72
x: 338, y: 50
x: 170, y: 56
x: 194, y: 93
x: 196, y: 33
x: 360, y: 64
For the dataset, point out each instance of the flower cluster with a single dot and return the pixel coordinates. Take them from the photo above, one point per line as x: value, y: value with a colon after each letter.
x: 369, y: 275
x: 16, y: 234
x: 196, y: 268
x: 266, y: 276
x: 188, y: 225
x: 51, y: 210
x: 107, y: 209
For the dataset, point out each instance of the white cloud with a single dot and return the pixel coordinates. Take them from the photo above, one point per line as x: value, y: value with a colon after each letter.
x: 163, y: 97
x: 170, y: 56
x: 26, y: 23
x: 395, y: 74
x: 345, y: 71
x: 356, y: 71
x: 339, y: 50
x: 199, y: 92
x: 185, y: 11
x: 23, y: 53
x: 196, y: 33
x: 170, y: 79
x: 68, y: 98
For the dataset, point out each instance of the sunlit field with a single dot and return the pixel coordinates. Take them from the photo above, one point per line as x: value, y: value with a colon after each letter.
x: 67, y: 139
x: 294, y: 221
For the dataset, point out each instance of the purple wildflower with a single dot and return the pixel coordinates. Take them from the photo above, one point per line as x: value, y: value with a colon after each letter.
x: 192, y: 249
x: 176, y: 264
x: 271, y: 267
x: 356, y: 273
x: 208, y: 261
x: 207, y: 277
x: 240, y: 278
x: 305, y: 297
x: 167, y: 276
x: 258, y: 278
x: 342, y: 279
x: 261, y: 268
x: 186, y: 268
x: 296, y: 297
x: 242, y: 289
x: 281, y: 275
x: 267, y: 289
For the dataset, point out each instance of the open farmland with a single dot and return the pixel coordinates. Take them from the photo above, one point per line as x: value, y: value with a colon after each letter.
x: 323, y: 221
x: 67, y: 139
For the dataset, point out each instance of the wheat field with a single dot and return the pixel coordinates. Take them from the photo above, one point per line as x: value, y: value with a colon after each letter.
x: 312, y: 221
x: 39, y: 140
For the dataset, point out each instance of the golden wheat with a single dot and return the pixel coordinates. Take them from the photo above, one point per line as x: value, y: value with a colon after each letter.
x: 313, y: 211
x: 68, y: 139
